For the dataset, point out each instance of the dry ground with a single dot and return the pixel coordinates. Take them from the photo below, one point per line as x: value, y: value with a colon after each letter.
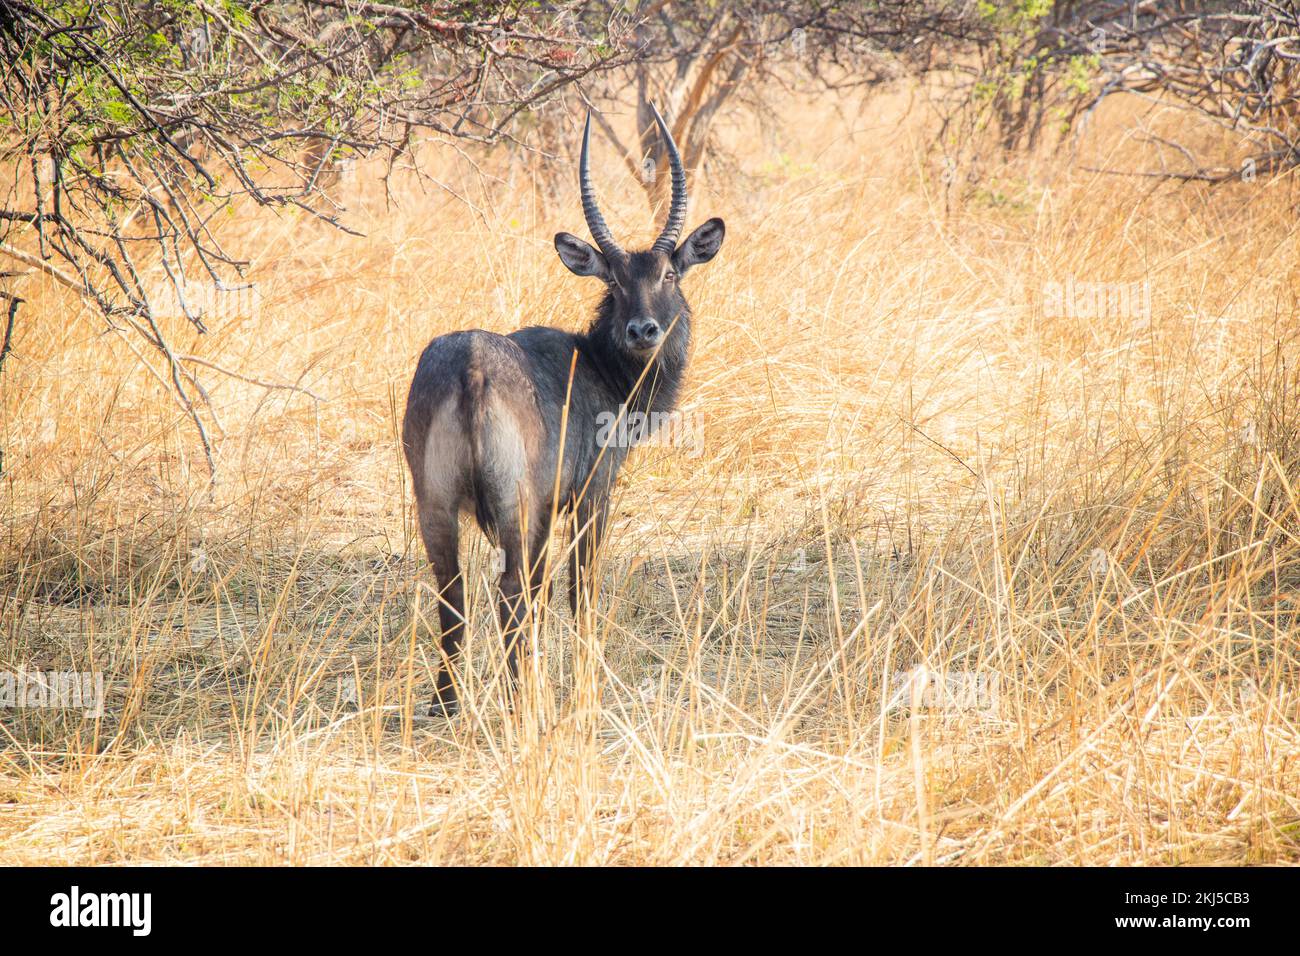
x: 911, y: 456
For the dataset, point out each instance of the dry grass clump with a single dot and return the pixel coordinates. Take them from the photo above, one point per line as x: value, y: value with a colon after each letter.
x: 913, y: 457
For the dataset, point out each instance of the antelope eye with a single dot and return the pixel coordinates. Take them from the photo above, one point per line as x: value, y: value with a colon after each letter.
x: 670, y: 276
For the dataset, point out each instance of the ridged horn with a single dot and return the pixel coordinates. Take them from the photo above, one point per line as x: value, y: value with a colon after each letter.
x: 595, y: 221
x: 667, y: 240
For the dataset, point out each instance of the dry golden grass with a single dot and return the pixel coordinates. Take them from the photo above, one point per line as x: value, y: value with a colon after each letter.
x: 908, y: 460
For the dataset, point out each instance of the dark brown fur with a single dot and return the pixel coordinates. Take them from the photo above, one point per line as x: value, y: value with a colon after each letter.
x: 485, y: 414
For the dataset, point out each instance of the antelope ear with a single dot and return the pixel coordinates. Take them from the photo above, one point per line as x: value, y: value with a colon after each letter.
x: 700, y: 246
x: 580, y: 258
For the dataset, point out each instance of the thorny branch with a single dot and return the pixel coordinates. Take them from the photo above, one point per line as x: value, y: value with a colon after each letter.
x: 694, y: 59
x: 128, y: 126
x: 1233, y: 62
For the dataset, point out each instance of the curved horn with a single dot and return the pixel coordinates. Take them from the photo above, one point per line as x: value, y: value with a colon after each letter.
x: 595, y: 221
x: 667, y: 240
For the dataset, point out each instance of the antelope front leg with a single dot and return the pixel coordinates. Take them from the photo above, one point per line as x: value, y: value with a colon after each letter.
x: 589, y: 533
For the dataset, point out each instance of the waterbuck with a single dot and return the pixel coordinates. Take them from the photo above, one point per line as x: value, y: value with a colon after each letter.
x: 509, y: 427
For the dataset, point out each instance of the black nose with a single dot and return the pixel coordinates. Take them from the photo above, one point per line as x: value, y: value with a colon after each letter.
x: 644, y: 333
